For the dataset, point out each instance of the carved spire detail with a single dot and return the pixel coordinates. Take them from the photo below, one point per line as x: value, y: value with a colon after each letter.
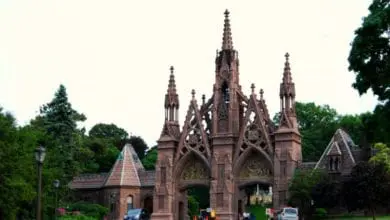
x: 287, y: 71
x: 171, y: 98
x: 227, y: 42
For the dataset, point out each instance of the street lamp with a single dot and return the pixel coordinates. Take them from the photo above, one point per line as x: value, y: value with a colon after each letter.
x: 40, y: 154
x: 56, y: 184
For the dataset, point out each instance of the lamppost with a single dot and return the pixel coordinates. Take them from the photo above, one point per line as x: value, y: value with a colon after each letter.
x: 56, y: 184
x: 40, y: 154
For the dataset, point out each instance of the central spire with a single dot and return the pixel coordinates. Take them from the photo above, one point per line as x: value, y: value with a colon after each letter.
x: 227, y: 42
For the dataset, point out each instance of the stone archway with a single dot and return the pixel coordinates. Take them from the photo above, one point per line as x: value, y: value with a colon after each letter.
x: 191, y: 171
x: 253, y: 167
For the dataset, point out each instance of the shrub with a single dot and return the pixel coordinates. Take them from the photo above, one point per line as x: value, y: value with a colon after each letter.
x: 320, y: 213
x: 89, y: 209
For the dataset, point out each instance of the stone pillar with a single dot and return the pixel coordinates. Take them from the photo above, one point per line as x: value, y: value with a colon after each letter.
x: 222, y: 186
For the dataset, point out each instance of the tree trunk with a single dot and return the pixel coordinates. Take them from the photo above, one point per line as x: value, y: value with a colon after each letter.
x: 248, y: 199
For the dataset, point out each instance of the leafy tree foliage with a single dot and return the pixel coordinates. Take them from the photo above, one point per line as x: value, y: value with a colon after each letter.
x: 369, y: 57
x: 382, y: 156
x: 108, y: 131
x: 149, y: 161
x: 139, y: 145
x: 317, y: 125
x: 327, y: 193
x: 301, y: 188
x: 368, y: 187
x: 16, y: 168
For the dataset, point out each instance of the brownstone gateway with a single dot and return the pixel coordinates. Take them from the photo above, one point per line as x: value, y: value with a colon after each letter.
x: 226, y: 142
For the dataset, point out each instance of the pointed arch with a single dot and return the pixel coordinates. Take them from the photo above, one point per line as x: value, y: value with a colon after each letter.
x: 253, y: 128
x: 180, y: 166
x: 246, y: 155
x: 193, y: 136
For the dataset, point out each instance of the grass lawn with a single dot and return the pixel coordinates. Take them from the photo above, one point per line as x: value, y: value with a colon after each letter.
x: 258, y: 211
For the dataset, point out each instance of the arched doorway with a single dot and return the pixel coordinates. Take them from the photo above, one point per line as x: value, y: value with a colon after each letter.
x: 148, y: 204
x: 253, y: 174
x: 192, y: 186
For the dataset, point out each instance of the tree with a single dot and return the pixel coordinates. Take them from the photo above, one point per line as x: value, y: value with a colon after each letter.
x: 108, y: 131
x: 327, y: 193
x: 149, y: 161
x: 369, y: 57
x: 382, y: 156
x: 16, y: 168
x: 138, y: 144
x: 367, y: 188
x: 317, y: 125
x: 59, y: 118
x: 301, y: 188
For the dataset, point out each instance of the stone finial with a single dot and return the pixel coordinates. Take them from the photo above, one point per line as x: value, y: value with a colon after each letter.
x: 261, y: 93
x: 227, y: 43
x: 203, y: 99
x: 253, y: 88
x: 193, y: 93
x: 171, y: 69
x: 287, y: 71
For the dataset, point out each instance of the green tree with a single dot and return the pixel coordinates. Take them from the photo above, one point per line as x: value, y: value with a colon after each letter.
x: 327, y: 193
x: 369, y: 57
x: 16, y: 168
x: 138, y: 144
x: 108, y: 131
x: 367, y: 187
x: 317, y: 124
x: 382, y: 155
x: 149, y: 161
x: 59, y: 121
x: 301, y: 188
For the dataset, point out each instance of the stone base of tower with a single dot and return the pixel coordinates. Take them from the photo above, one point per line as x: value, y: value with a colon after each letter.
x: 162, y: 216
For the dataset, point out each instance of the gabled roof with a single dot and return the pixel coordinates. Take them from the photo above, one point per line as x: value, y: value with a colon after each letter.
x: 88, y: 181
x: 334, y: 149
x: 125, y: 170
x: 340, y: 144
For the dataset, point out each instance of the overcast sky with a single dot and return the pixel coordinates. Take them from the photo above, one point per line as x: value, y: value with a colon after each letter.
x: 114, y: 56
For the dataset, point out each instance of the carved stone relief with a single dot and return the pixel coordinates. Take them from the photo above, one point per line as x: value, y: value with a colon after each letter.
x: 194, y: 170
x: 254, y: 168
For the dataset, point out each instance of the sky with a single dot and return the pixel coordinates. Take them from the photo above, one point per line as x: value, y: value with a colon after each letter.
x: 114, y: 56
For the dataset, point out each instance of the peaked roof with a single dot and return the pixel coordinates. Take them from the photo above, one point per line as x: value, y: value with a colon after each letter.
x: 334, y: 150
x: 125, y: 170
x: 340, y: 144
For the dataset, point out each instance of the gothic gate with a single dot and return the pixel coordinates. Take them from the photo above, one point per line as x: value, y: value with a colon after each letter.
x: 226, y: 142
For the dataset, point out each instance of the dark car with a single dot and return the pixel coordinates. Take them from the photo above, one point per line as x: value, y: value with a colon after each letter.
x: 137, y: 214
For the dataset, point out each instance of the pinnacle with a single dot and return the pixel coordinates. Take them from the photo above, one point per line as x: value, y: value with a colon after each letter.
x: 287, y: 72
x: 227, y: 43
x: 261, y: 93
x: 172, y: 84
x: 193, y: 93
x: 253, y: 88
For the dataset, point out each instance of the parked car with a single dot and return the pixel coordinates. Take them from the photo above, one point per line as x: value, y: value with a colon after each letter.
x: 137, y: 214
x: 288, y: 213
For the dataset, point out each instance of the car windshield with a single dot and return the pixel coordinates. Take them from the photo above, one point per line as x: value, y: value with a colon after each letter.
x: 290, y: 211
x: 134, y: 212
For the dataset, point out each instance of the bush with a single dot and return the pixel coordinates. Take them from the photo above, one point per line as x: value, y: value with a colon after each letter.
x: 89, y: 209
x: 320, y: 213
x: 78, y: 217
x: 193, y: 206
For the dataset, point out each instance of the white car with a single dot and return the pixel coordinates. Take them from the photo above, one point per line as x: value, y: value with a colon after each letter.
x: 288, y: 213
